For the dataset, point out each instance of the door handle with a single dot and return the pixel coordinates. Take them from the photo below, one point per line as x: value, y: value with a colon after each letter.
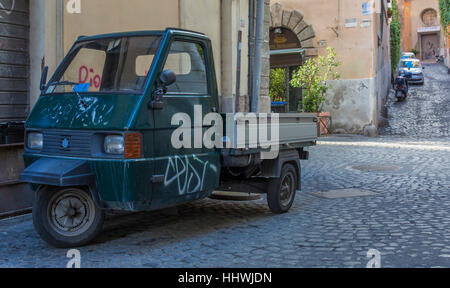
x: 157, y: 103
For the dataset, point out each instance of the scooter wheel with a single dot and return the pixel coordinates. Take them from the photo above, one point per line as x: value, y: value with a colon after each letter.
x: 66, y: 217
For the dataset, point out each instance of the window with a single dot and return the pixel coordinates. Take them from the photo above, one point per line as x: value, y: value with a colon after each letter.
x: 143, y: 64
x: 107, y: 65
x: 411, y: 64
x: 429, y: 17
x: 86, y: 67
x: 187, y: 61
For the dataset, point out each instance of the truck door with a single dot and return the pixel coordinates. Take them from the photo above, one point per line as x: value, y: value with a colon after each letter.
x: 188, y: 173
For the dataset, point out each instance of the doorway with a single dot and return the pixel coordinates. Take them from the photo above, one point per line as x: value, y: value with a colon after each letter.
x: 430, y: 46
x: 286, y: 56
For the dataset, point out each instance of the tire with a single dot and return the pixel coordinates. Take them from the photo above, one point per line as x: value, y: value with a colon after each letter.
x: 281, y: 191
x: 62, y: 226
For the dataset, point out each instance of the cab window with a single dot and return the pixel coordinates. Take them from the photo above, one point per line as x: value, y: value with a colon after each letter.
x: 187, y: 61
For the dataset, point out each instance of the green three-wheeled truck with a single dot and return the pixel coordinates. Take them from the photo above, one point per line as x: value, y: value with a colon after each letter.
x: 101, y: 136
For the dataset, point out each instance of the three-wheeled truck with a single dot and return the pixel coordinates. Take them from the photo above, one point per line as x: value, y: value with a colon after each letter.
x: 101, y: 136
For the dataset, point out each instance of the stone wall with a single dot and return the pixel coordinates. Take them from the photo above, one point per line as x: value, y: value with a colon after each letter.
x: 265, y: 102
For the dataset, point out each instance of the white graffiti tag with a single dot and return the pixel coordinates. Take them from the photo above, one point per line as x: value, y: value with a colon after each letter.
x: 6, y: 10
x: 185, y: 174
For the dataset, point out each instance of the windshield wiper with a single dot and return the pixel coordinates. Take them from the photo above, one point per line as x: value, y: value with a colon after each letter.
x: 69, y: 83
x: 63, y: 83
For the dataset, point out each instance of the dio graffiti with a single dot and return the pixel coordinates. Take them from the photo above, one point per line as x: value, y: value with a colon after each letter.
x: 88, y: 75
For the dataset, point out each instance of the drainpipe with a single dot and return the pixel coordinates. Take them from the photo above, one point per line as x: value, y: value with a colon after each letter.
x: 238, y: 71
x: 258, y: 55
x: 251, y: 49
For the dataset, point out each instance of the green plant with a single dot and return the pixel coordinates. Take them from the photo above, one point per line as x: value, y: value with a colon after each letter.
x: 395, y: 37
x: 444, y: 8
x: 313, y: 77
x: 277, y: 90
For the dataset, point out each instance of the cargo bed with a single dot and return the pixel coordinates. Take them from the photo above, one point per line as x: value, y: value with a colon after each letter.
x: 296, y: 130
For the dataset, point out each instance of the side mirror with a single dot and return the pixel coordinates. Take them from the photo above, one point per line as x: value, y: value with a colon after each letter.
x: 167, y: 78
x: 44, y: 78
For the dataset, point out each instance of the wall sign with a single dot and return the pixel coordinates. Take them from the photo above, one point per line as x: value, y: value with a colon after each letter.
x: 429, y: 29
x: 365, y: 23
x: 366, y: 9
x: 281, y: 39
x: 352, y: 22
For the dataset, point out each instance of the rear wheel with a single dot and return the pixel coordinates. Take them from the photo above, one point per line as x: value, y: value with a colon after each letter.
x: 66, y: 217
x: 400, y: 96
x: 281, y: 192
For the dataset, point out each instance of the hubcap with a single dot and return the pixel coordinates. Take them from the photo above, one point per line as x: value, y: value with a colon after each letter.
x: 71, y: 212
x: 287, y: 189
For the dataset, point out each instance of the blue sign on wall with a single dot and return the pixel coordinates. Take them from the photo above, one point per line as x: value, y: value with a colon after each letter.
x: 366, y: 9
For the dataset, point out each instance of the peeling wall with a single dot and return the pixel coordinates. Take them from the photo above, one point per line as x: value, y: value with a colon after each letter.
x: 350, y: 104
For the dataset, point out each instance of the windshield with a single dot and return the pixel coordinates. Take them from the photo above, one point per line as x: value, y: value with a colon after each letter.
x: 106, y: 65
x: 410, y: 64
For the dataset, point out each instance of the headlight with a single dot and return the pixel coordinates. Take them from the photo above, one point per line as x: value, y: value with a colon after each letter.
x: 115, y: 144
x: 35, y: 141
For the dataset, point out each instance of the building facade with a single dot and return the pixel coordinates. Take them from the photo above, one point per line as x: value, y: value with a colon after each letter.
x: 359, y: 32
x: 421, y: 28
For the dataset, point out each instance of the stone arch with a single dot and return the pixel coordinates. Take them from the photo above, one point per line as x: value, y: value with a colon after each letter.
x: 293, y: 20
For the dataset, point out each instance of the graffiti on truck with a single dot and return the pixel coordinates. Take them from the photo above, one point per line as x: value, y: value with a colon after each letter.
x: 188, y: 174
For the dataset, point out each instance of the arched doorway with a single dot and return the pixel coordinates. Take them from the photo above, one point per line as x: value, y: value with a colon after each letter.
x: 291, y: 38
x: 286, y: 56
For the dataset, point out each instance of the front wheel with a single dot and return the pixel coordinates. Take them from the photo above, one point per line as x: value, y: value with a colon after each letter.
x: 281, y: 192
x: 66, y: 217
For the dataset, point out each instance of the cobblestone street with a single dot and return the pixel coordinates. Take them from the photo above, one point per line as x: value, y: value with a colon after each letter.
x: 406, y: 216
x: 426, y: 112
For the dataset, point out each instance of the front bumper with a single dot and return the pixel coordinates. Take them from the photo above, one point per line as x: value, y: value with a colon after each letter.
x: 58, y: 172
x: 117, y: 184
x: 416, y: 79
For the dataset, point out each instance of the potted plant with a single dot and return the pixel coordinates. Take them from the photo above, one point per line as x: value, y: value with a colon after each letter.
x: 313, y: 77
x: 277, y: 90
x: 389, y: 12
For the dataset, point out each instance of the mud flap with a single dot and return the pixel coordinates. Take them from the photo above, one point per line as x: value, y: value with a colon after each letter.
x: 272, y: 168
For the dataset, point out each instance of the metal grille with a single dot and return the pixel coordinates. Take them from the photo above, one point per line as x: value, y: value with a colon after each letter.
x: 14, y: 59
x: 67, y: 143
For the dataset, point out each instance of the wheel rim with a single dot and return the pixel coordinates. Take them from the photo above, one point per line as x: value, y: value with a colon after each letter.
x: 71, y: 212
x: 287, y: 189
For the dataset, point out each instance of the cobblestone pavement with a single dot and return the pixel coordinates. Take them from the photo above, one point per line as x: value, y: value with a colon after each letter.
x: 426, y: 111
x: 408, y: 219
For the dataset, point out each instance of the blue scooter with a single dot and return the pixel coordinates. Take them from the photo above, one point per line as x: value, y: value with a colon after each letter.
x: 401, y: 86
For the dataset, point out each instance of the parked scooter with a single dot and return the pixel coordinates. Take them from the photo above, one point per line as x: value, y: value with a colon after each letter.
x: 401, y: 86
x: 439, y: 59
